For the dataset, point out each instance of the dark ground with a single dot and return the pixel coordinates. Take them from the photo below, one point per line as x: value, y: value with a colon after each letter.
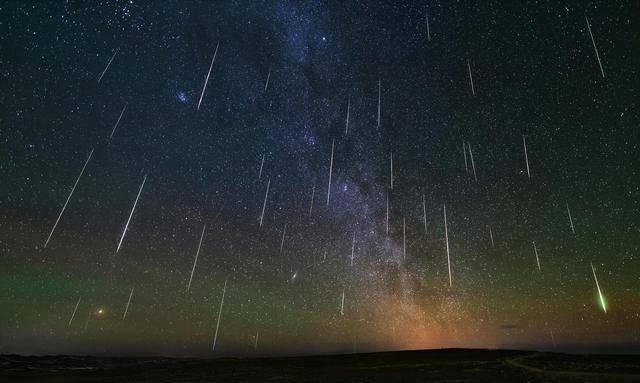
x: 453, y: 365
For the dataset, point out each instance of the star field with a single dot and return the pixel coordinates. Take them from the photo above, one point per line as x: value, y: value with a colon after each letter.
x: 436, y: 115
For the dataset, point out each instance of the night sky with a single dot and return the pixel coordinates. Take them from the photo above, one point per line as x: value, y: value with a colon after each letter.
x: 449, y: 107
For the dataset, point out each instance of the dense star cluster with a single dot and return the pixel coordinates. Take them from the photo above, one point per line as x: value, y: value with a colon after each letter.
x: 260, y: 178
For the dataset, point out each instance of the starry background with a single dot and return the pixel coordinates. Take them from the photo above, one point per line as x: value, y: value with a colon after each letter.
x: 535, y: 74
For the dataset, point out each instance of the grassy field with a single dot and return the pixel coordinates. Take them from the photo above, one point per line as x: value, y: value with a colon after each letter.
x: 453, y: 365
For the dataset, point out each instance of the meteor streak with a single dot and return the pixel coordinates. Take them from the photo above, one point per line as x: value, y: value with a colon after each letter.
x: 526, y: 158
x: 215, y: 337
x: 535, y: 250
x: 206, y: 81
x: 428, y: 31
x: 404, y: 239
x: 346, y: 129
x: 261, y: 166
x: 68, y: 198
x: 266, y: 85
x: 446, y: 237
x: 126, y: 309
x: 424, y: 214
x: 391, y: 171
x: 472, y: 163
x: 282, y: 242
x: 473, y: 91
x: 126, y: 226
x: 118, y: 122
x: 602, y: 302
x: 570, y: 220
x: 342, y: 304
x: 464, y: 153
x: 330, y: 172
x: 491, y: 236
x: 196, y: 259
x: 387, y: 214
x: 108, y: 65
x: 594, y: 45
x: 353, y: 248
x: 313, y: 191
x: 74, y: 311
x: 264, y: 205
x: 379, y: 96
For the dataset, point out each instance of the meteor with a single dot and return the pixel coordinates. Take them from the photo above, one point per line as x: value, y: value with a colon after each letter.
x: 491, y: 236
x: 330, y: 172
x: 526, y: 158
x: 404, y: 239
x: 391, y: 171
x: 387, y: 213
x: 464, y: 153
x: 342, y: 304
x: 472, y: 163
x: 428, y: 31
x: 68, y: 198
x: 261, y: 166
x: 126, y: 226
x: 108, y: 65
x: 264, y: 205
x: 353, y: 248
x: 346, y: 129
x: 379, y: 96
x: 594, y: 45
x: 118, y: 122
x: 206, y: 81
x: 424, y: 214
x: 313, y: 191
x: 74, y: 311
x: 196, y: 260
x: 473, y: 91
x: 535, y: 250
x: 570, y: 220
x: 602, y: 302
x: 282, y: 242
x: 126, y: 309
x: 446, y: 237
x: 215, y: 337
x: 266, y: 85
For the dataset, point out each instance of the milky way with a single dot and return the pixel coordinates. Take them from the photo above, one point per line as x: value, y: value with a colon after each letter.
x: 242, y: 117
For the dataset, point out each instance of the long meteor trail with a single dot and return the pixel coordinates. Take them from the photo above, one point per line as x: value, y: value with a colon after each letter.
x: 573, y: 230
x: 74, y: 311
x: 330, y: 172
x: 68, y: 198
x: 264, y: 205
x: 535, y: 250
x: 446, y: 237
x: 126, y: 226
x: 118, y: 122
x: 261, y: 166
x: 594, y: 45
x: 424, y: 214
x: 108, y: 65
x: 473, y: 91
x: 526, y: 157
x: 602, y: 302
x: 379, y: 97
x: 473, y: 165
x: 346, y: 128
x: 195, y: 261
x: 126, y: 309
x: 215, y: 337
x: 206, y: 81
